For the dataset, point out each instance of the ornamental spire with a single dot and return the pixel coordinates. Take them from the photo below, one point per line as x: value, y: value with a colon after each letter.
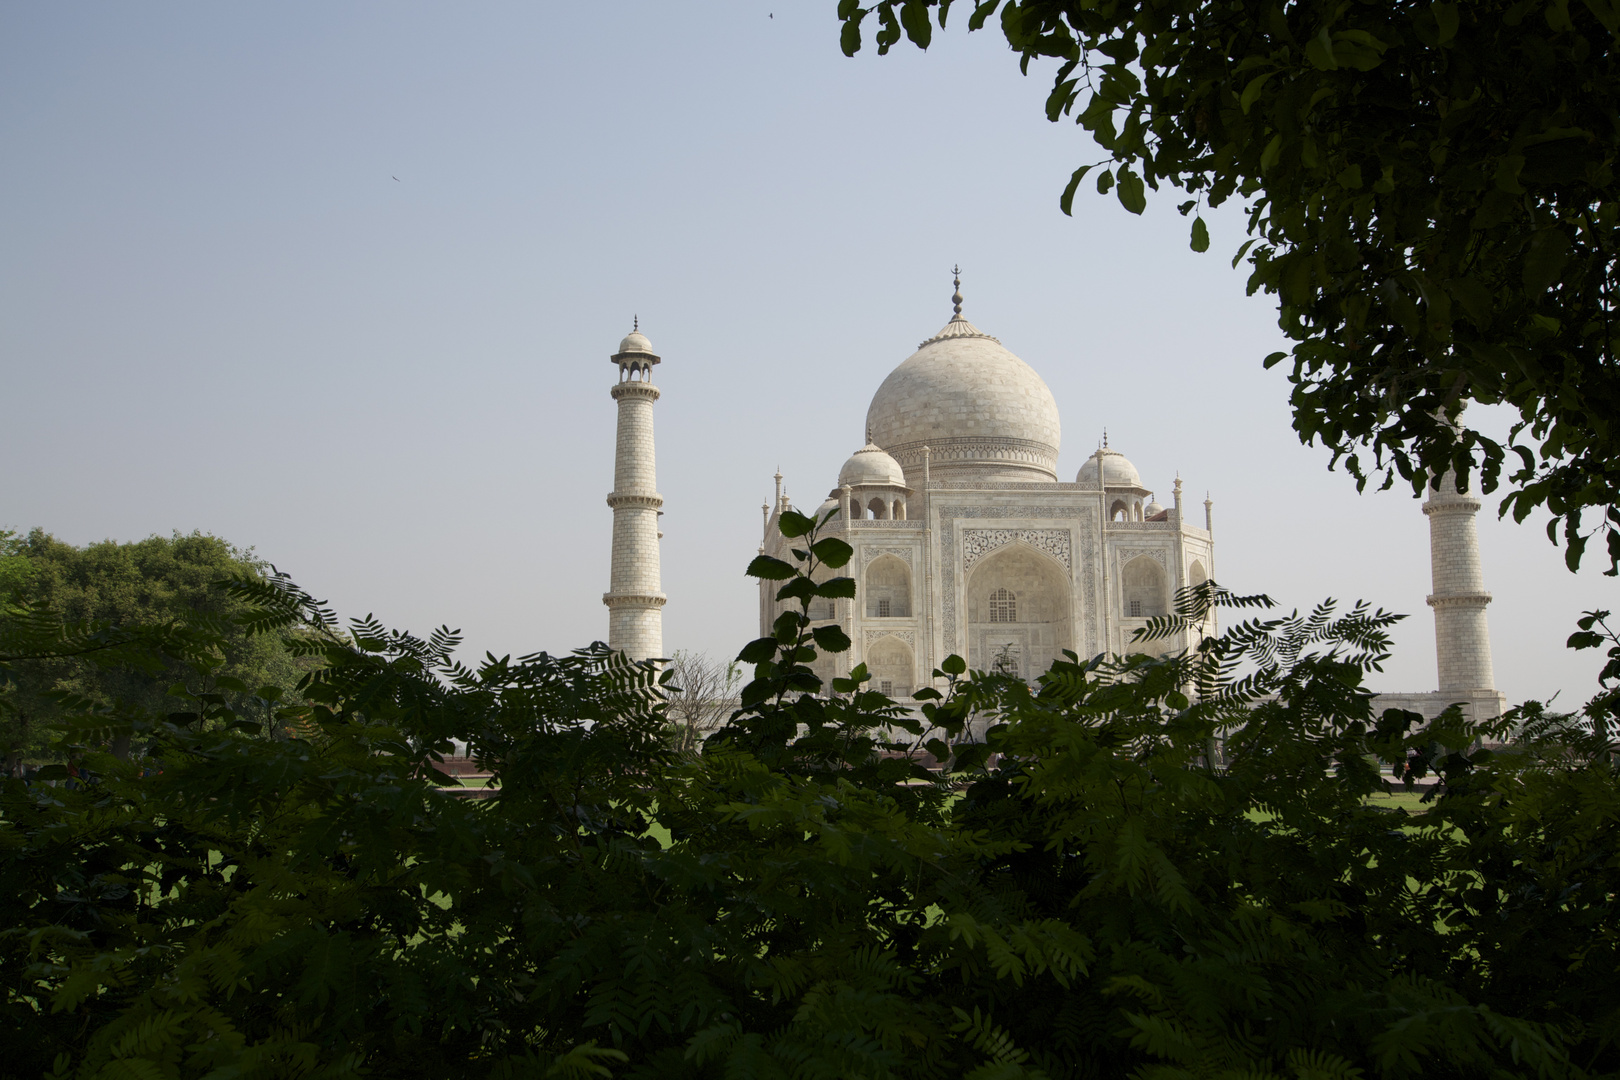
x: 956, y: 297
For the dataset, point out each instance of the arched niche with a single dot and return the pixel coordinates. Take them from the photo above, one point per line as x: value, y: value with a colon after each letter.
x: 1196, y: 574
x: 1144, y: 589
x: 1018, y: 612
x: 887, y: 587
x: 892, y: 666
x: 1120, y: 511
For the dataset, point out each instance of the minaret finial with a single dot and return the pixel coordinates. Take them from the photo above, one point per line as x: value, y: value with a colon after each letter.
x: 1105, y: 438
x: 956, y: 297
x: 868, y: 434
x: 635, y: 324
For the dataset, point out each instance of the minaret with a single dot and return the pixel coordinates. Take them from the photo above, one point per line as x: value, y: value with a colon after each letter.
x: 634, y: 597
x: 1462, y: 641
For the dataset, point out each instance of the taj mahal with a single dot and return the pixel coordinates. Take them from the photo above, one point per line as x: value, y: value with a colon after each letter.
x: 967, y: 541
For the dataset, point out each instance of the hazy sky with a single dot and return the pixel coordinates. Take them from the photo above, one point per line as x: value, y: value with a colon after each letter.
x: 340, y: 281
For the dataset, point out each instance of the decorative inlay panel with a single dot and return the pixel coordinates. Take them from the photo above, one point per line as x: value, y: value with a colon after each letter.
x: 977, y: 543
x: 944, y: 451
x: 1085, y: 531
x: 1126, y: 554
x: 907, y: 636
x: 871, y: 553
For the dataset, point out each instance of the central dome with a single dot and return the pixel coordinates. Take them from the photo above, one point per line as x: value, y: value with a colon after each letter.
x: 982, y: 412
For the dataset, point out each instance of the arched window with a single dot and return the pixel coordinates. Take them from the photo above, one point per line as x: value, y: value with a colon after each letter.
x: 888, y: 589
x: 879, y: 508
x: 1144, y: 588
x: 890, y: 662
x: 899, y: 509
x: 1119, y: 511
x: 1018, y: 611
x: 1009, y: 660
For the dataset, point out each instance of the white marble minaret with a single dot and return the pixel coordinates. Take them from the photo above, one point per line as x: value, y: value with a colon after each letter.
x: 634, y: 598
x: 1462, y: 640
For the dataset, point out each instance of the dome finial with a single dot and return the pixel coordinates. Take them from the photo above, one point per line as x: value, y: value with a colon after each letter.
x: 1105, y: 438
x: 956, y: 297
x: 635, y: 324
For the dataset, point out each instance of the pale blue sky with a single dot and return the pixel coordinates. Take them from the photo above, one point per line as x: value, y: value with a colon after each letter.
x: 220, y: 311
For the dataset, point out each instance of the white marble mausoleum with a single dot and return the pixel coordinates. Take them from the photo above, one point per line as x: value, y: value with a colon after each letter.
x: 968, y: 541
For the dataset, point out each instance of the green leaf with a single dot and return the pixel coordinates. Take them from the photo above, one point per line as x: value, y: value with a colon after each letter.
x: 801, y: 588
x: 1066, y: 202
x: 914, y: 17
x: 1544, y: 262
x: 758, y: 651
x: 792, y: 523
x: 1319, y: 51
x: 953, y: 665
x: 1508, y: 168
x: 831, y: 639
x: 853, y: 683
x: 1475, y: 299
x: 1200, y: 235
x: 832, y: 552
x: 768, y: 569
x: 1272, y: 152
x: 1131, y: 194
x: 849, y: 38
x: 1251, y: 93
x: 1446, y: 16
x: 1105, y: 182
x: 838, y: 588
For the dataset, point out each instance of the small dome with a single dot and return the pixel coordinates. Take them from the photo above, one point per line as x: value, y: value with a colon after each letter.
x: 870, y: 465
x: 1153, y: 508
x: 635, y: 341
x: 1110, y: 469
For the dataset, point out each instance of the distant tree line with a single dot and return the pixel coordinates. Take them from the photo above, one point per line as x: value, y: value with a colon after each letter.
x: 149, y: 582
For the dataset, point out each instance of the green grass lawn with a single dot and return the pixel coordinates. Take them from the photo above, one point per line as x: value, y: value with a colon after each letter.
x: 1410, y: 801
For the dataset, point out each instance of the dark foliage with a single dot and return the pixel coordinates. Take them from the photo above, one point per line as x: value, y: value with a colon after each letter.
x: 1153, y: 866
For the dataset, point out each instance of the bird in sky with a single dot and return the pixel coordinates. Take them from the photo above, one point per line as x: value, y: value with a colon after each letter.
x: 396, y: 179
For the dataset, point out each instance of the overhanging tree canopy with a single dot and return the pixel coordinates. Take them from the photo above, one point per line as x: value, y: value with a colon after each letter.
x: 1432, y: 198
